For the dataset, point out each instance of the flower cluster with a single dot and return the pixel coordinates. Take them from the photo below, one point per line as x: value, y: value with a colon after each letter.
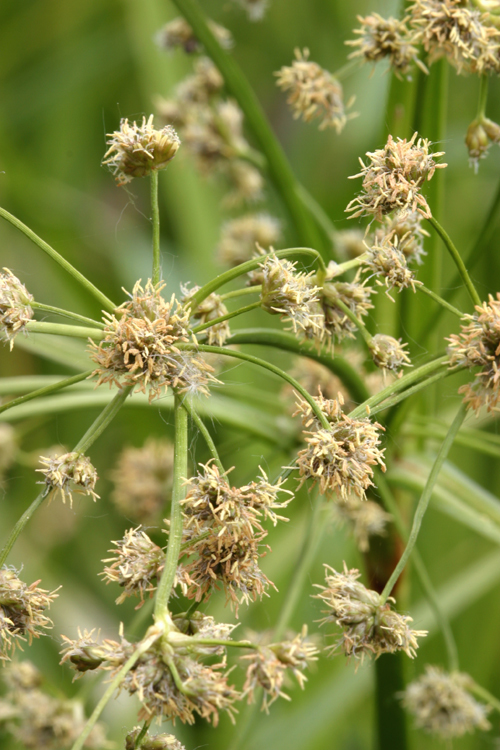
x: 441, y: 704
x: 314, y: 92
x: 15, y: 309
x: 389, y: 265
x: 152, y: 742
x: 208, y: 310
x: 393, y: 178
x: 478, y: 345
x: 389, y: 353
x: 355, y: 295
x: 410, y: 234
x: 381, y: 38
x: 370, y: 626
x: 481, y: 133
x: 178, y: 33
x: 340, y: 458
x: 240, y: 236
x: 364, y: 517
x: 140, y: 349
x: 68, y: 473
x: 136, y: 564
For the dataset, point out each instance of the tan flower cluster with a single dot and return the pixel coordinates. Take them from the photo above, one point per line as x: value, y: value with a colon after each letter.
x: 481, y: 133
x: 152, y: 742
x: 389, y: 265
x: 15, y: 309
x: 314, y: 92
x: 355, y: 295
x: 478, y: 345
x: 140, y: 346
x: 340, y: 459
x: 209, y: 309
x: 389, y: 353
x: 22, y: 610
x: 143, y: 479
x: 441, y: 704
x: 38, y: 720
x: 68, y: 473
x: 178, y: 33
x: 365, y: 519
x: 461, y: 33
x: 138, y: 150
x: 269, y: 665
x: 409, y: 233
x: 370, y: 627
x: 381, y: 38
x: 240, y: 236
x: 393, y: 178
x: 137, y: 561
x: 223, y: 534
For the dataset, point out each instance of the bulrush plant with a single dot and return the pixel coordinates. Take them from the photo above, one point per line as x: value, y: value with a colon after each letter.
x: 195, y: 539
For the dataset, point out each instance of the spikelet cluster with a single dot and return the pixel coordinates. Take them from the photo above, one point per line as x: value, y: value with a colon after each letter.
x: 209, y: 309
x: 178, y: 33
x: 389, y: 353
x: 354, y: 294
x: 364, y: 518
x: 240, y: 236
x: 313, y: 92
x: 152, y: 742
x: 481, y: 133
x: 390, y: 38
x: 15, y: 307
x: 370, y: 627
x: 388, y: 264
x: 136, y: 565
x: 68, y: 473
x: 408, y: 235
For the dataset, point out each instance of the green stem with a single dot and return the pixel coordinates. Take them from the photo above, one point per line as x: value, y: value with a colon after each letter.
x: 20, y: 526
x: 354, y: 319
x: 481, y: 692
x: 457, y: 260
x: 155, y: 218
x: 65, y: 313
x: 205, y: 433
x: 217, y: 642
x: 46, y: 391
x: 104, y: 301
x: 227, y: 316
x: 483, y: 97
x: 414, y: 389
x: 60, y: 329
x: 439, y: 300
x: 114, y: 684
x: 341, y: 268
x: 424, y: 501
x: 142, y: 734
x: 178, y: 493
x: 242, y: 292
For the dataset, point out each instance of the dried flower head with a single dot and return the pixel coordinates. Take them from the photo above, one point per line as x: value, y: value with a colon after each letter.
x: 137, y: 561
x: 390, y: 38
x: 410, y: 234
x: 355, y: 295
x: 178, y: 33
x: 254, y: 9
x: 152, y: 742
x: 209, y: 309
x: 8, y: 448
x: 370, y: 626
x: 314, y: 92
x: 478, y: 345
x: 389, y: 353
x: 15, y: 309
x: 392, y: 180
x: 389, y: 265
x: 462, y: 34
x: 68, y: 473
x: 441, y: 704
x: 22, y: 610
x: 140, y: 346
x: 340, y: 459
x: 365, y: 519
x: 143, y: 479
x: 240, y: 236
x: 138, y: 150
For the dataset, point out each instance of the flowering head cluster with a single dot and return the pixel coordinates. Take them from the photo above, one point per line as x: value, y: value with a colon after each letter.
x: 393, y: 178
x: 478, y: 345
x: 389, y: 265
x: 441, y: 704
x: 68, y: 473
x: 15, y: 309
x: 408, y: 235
x: 209, y: 309
x: 152, y: 742
x: 136, y: 564
x: 370, y: 626
x: 178, y: 33
x: 314, y: 92
x: 381, y: 38
x: 389, y: 353
x: 365, y: 518
x: 138, y: 150
x: 140, y: 349
x: 481, y: 133
x: 240, y: 236
x: 355, y: 295
x: 340, y: 458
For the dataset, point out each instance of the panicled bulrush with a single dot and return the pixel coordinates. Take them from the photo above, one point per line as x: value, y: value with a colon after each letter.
x: 370, y: 626
x: 210, y: 308
x: 389, y: 265
x: 140, y: 346
x: 68, y: 473
x: 152, y: 742
x: 268, y: 666
x: 478, y: 345
x: 137, y: 150
x: 314, y: 92
x: 291, y: 295
x: 389, y: 353
x: 143, y: 479
x: 340, y: 459
x: 409, y: 233
x: 393, y: 178
x: 365, y: 518
x: 381, y: 38
x: 355, y: 295
x: 178, y: 33
x: 22, y: 610
x: 136, y: 564
x: 240, y: 236
x: 254, y: 9
x: 462, y: 34
x: 441, y: 704
x: 15, y: 309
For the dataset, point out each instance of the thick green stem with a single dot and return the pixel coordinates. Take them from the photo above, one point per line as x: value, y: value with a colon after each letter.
x: 456, y: 259
x: 205, y: 433
x: 142, y: 734
x: 424, y: 501
x: 155, y: 218
x: 178, y: 493
x: 103, y: 300
x: 47, y: 390
x: 65, y: 313
x: 227, y: 316
x: 59, y: 329
x: 439, y: 300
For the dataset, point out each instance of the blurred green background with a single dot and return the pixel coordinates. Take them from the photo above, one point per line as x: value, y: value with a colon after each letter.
x: 68, y: 72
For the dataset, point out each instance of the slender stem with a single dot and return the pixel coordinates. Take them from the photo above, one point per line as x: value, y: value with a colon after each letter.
x: 227, y: 316
x: 46, y: 391
x: 354, y: 319
x: 439, y: 300
x: 457, y: 260
x: 65, y: 313
x: 481, y: 692
x: 483, y: 97
x: 115, y: 683
x: 104, y: 301
x: 20, y: 525
x: 142, y: 734
x: 205, y: 433
x: 341, y: 268
x: 155, y: 218
x: 414, y: 389
x: 60, y: 329
x: 241, y: 292
x: 424, y: 501
x: 193, y: 640
x: 178, y: 493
